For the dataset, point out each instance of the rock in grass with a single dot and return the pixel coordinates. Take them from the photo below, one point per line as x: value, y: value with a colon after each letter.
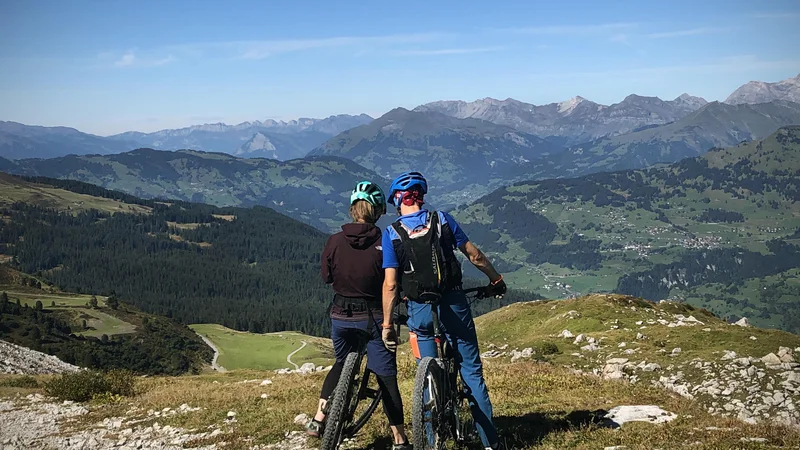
x: 639, y: 413
x: 771, y: 359
x: 743, y: 322
x: 302, y: 419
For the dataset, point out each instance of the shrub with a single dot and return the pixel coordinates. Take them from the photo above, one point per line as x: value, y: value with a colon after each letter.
x: 26, y: 381
x: 548, y: 348
x: 84, y: 385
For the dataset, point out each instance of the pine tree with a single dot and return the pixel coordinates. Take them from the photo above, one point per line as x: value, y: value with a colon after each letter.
x: 39, y: 305
x: 112, y: 301
x: 93, y: 302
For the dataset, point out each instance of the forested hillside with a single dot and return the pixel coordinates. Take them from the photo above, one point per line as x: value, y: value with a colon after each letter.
x: 245, y: 268
x: 94, y: 332
x: 719, y: 230
x: 242, y: 268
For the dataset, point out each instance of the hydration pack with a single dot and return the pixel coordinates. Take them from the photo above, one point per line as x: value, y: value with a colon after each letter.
x: 427, y: 259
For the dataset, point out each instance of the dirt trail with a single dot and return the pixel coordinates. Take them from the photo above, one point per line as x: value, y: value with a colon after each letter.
x: 289, y: 357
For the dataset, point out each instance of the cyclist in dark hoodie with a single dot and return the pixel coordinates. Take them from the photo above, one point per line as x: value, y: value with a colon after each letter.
x: 352, y: 262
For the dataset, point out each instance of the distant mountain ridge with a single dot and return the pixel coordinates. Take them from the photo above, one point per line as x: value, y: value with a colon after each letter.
x: 19, y: 141
x: 313, y: 190
x: 292, y: 139
x: 575, y: 120
x: 461, y: 157
x: 715, y: 125
x: 762, y: 92
x: 268, y: 139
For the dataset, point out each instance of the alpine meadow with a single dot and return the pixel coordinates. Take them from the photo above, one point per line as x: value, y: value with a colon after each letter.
x: 200, y: 206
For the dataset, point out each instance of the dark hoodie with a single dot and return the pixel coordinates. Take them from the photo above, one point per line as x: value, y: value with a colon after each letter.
x: 353, y: 262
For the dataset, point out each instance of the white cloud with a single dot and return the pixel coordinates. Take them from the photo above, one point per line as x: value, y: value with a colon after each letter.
x: 573, y: 29
x: 130, y: 59
x: 448, y: 51
x: 263, y: 49
x: 127, y: 60
x: 684, y: 33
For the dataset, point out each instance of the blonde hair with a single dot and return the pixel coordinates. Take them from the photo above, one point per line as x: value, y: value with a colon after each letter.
x: 364, y: 211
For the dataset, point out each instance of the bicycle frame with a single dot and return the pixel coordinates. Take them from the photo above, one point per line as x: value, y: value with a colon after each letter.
x: 450, y: 393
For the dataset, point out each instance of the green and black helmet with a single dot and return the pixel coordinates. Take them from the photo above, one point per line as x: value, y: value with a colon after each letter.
x: 372, y: 193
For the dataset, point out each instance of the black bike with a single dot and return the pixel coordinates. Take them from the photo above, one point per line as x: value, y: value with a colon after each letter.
x: 356, y: 395
x: 440, y: 402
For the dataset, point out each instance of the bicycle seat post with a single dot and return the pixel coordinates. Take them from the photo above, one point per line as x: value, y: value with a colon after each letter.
x: 437, y: 329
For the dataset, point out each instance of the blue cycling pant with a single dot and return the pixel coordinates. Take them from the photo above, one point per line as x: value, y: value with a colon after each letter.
x: 456, y: 320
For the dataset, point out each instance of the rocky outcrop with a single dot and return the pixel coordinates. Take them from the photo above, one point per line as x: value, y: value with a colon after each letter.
x: 20, y: 360
x: 304, y: 369
x: 36, y: 422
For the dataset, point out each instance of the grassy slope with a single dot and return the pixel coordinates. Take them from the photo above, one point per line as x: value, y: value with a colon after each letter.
x: 530, y: 324
x: 536, y: 405
x: 240, y: 350
x: 74, y: 306
x: 13, y: 189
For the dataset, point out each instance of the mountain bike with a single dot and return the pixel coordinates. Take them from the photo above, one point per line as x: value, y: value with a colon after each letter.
x: 440, y: 402
x: 357, y: 394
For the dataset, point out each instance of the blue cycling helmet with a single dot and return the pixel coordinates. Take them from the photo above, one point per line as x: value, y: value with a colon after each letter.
x: 405, y: 182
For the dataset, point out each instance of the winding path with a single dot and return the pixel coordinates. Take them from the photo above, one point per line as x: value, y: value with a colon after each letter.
x: 289, y: 356
x: 214, y: 364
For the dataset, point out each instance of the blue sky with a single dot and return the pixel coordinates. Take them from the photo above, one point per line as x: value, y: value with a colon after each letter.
x: 110, y: 66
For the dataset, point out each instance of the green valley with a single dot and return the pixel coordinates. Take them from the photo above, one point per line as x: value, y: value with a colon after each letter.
x: 266, y: 351
x: 668, y: 232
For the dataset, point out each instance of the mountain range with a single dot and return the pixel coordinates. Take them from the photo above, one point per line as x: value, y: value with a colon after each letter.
x: 462, y: 158
x: 468, y: 155
x: 573, y: 121
x: 714, y: 125
x: 761, y: 92
x: 268, y: 139
x: 19, y: 141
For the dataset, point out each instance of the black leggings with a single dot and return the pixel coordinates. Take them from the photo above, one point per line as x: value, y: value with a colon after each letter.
x: 390, y: 393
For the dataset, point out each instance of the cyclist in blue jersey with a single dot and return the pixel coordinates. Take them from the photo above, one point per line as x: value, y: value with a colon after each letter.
x: 419, y: 258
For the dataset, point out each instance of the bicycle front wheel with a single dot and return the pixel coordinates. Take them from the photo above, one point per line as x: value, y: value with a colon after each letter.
x: 337, y: 417
x: 427, y: 418
x: 364, y: 400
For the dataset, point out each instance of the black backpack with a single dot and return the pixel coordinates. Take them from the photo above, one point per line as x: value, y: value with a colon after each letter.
x: 428, y: 268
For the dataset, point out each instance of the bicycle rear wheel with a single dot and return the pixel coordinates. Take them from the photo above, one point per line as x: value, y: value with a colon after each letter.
x: 427, y: 414
x: 463, y: 422
x: 339, y: 408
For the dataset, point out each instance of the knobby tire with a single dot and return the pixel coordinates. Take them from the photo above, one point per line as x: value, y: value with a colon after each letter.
x: 335, y: 420
x: 428, y: 371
